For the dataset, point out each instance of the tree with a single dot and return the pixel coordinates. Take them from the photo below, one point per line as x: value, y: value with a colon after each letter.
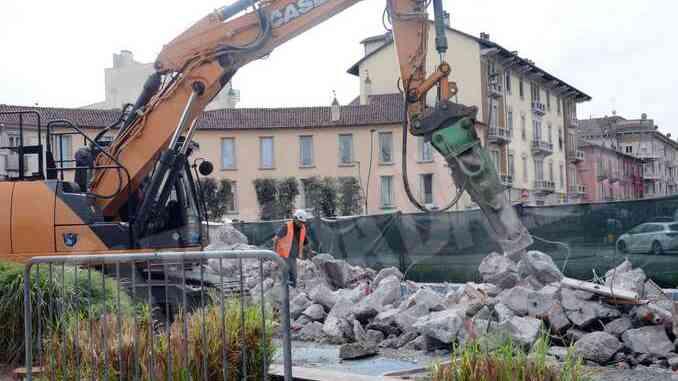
x: 226, y: 196
x: 288, y: 190
x: 322, y: 195
x: 350, y: 196
x: 266, y: 190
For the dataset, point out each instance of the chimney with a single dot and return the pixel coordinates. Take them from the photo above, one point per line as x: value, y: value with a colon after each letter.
x: 366, y: 90
x: 484, y: 36
x: 446, y: 17
x: 335, y: 109
x: 643, y: 116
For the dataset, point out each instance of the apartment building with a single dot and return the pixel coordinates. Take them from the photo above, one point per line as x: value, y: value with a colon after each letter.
x: 641, y: 139
x: 361, y: 141
x: 530, y: 114
x: 608, y: 174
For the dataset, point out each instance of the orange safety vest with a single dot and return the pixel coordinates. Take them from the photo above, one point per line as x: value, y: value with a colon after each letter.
x: 284, y: 245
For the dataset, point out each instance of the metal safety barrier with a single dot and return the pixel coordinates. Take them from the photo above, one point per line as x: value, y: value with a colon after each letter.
x: 207, y: 315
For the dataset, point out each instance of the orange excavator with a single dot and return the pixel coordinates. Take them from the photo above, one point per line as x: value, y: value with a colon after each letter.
x: 137, y: 192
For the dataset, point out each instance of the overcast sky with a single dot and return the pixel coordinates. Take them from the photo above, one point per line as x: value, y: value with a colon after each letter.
x: 622, y: 53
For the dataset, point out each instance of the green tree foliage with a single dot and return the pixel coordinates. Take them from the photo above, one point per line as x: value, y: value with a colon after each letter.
x: 350, y: 197
x: 217, y: 196
x: 288, y: 190
x: 322, y: 194
x: 267, y: 193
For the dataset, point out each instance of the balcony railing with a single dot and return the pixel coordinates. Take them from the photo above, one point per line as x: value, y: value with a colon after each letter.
x: 577, y: 190
x: 495, y: 90
x: 499, y: 135
x: 541, y: 148
x: 544, y: 186
x: 538, y: 108
x: 648, y: 155
x: 507, y: 180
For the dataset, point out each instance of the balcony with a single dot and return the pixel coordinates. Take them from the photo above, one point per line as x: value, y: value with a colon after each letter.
x: 541, y: 148
x: 575, y: 156
x: 614, y: 176
x: 499, y: 135
x: 576, y: 190
x: 538, y: 108
x: 495, y: 90
x: 544, y: 186
x: 507, y: 181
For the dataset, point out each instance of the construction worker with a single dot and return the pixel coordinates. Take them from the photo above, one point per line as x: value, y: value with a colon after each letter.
x: 291, y: 240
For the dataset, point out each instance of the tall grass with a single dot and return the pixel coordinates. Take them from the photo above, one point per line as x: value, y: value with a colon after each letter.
x: 213, y: 348
x: 470, y: 362
x: 52, y: 298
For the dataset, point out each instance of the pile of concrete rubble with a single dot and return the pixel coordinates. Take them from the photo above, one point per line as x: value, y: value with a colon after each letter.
x: 625, y: 319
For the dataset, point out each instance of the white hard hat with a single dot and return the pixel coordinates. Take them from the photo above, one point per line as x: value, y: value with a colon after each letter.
x: 300, y: 215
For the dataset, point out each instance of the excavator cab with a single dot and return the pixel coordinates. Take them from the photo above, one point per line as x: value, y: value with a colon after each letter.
x: 48, y: 208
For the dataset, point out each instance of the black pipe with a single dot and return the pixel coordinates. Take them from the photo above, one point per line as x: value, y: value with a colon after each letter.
x: 439, y: 17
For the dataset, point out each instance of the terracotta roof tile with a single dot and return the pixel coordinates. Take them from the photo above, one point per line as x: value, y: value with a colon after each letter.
x: 383, y: 109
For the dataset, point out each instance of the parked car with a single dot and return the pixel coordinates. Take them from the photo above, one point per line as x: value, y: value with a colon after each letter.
x: 652, y: 237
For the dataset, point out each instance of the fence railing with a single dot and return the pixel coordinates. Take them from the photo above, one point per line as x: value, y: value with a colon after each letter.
x: 156, y: 316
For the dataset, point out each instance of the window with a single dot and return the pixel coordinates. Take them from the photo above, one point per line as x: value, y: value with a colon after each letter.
x: 228, y: 153
x: 426, y: 188
x: 386, y: 147
x: 521, y: 88
x: 508, y: 82
x: 548, y: 100
x: 511, y: 169
x: 536, y: 130
x: 308, y: 200
x: 628, y: 150
x: 525, y: 177
x: 266, y: 152
x: 550, y: 171
x: 550, y: 132
x: 425, y: 150
x: 232, y: 199
x: 558, y: 105
x: 560, y: 139
x: 386, y: 191
x: 523, y: 127
x: 495, y: 159
x: 538, y: 170
x: 494, y: 115
x: 534, y: 92
x: 62, y: 149
x: 561, y: 176
x: 346, y: 149
x: 509, y: 121
x: 306, y: 151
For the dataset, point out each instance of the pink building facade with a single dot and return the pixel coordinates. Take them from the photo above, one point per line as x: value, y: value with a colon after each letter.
x: 609, y: 175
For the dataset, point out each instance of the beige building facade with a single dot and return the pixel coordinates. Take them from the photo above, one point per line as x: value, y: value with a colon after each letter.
x: 530, y: 114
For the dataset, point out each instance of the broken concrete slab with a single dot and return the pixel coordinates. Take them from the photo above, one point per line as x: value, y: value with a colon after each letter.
x: 299, y: 304
x: 429, y: 299
x: 374, y: 336
x: 322, y: 295
x: 388, y: 292
x: 357, y: 350
x: 310, y: 332
x: 315, y: 312
x: 499, y: 270
x: 442, y: 325
x: 584, y: 312
x: 540, y: 266
x: 557, y: 318
x: 599, y: 347
x: 384, y: 273
x: 618, y: 326
x: 632, y: 280
x: 515, y: 299
x: 522, y: 330
x: 540, y: 302
x: 337, y: 271
x: 651, y: 340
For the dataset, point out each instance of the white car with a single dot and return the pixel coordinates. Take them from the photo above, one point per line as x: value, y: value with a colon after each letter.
x: 652, y: 237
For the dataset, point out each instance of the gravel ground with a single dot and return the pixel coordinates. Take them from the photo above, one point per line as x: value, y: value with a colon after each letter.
x: 315, y: 355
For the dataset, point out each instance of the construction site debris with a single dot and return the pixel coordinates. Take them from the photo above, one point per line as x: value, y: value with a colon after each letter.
x: 625, y: 319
